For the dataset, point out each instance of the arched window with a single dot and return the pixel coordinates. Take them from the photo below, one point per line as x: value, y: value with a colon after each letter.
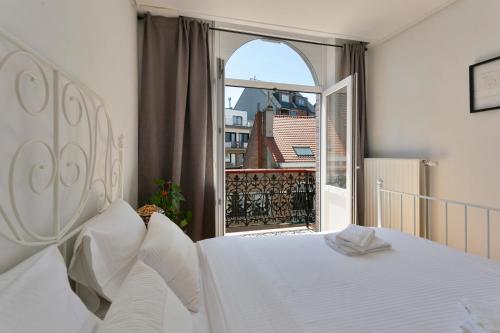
x: 272, y: 95
x: 270, y: 61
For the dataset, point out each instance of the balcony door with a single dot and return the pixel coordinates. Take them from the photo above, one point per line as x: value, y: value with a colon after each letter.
x: 268, y: 97
x: 336, y: 156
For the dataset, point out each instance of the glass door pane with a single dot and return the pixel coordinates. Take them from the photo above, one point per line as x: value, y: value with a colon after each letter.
x: 336, y: 139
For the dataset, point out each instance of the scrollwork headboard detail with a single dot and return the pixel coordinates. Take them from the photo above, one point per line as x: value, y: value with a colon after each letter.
x: 59, y: 160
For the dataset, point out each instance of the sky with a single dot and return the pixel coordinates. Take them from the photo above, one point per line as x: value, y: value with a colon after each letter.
x: 266, y: 60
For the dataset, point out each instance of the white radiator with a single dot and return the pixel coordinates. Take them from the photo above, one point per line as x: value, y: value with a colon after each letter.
x: 398, y: 211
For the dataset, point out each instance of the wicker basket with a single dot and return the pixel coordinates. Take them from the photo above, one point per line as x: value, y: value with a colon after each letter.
x: 146, y: 211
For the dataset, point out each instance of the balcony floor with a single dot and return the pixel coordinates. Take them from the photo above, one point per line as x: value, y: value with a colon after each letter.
x: 274, y: 232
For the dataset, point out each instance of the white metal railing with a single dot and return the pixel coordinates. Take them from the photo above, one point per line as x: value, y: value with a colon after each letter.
x: 427, y: 199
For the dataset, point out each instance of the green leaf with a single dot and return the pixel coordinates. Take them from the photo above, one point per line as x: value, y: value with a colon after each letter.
x: 172, y: 202
x: 159, y: 182
x: 156, y: 200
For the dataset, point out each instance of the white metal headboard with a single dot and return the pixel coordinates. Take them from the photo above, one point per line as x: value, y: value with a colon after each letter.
x: 395, y: 199
x: 59, y: 159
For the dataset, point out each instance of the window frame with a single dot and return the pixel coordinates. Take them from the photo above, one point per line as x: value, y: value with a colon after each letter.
x: 319, y: 65
x: 295, y: 148
x: 272, y: 86
x: 239, y: 122
x: 313, y: 59
x: 233, y: 136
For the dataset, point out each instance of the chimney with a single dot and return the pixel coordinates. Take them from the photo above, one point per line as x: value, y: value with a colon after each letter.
x: 268, y: 117
x: 230, y: 103
x: 269, y: 121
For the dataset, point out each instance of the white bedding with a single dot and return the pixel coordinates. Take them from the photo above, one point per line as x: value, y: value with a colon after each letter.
x: 299, y: 284
x: 201, y: 322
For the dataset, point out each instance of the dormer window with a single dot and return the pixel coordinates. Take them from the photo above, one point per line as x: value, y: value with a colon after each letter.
x: 303, y: 151
x: 237, y: 120
x: 285, y: 98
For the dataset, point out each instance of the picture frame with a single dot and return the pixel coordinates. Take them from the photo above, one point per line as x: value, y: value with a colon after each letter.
x: 484, y: 85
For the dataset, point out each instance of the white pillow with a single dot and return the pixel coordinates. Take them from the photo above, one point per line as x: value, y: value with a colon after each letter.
x: 35, y: 296
x: 106, y: 249
x: 171, y: 253
x: 145, y: 304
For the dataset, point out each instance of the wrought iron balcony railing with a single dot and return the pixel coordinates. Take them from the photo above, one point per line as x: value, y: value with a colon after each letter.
x: 235, y: 144
x: 270, y: 197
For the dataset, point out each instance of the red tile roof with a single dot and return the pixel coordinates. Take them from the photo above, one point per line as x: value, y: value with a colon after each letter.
x: 334, y: 139
x: 292, y: 132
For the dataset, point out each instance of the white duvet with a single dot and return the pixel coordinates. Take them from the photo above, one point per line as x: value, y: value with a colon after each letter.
x: 299, y: 284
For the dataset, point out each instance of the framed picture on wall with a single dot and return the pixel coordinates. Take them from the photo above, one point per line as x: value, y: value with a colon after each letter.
x: 484, y: 85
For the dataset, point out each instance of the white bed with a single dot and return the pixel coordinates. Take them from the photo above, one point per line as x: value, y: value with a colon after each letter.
x: 201, y: 321
x: 299, y: 284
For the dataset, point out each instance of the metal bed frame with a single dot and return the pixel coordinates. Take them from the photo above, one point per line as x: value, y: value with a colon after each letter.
x: 427, y: 220
x: 71, y: 150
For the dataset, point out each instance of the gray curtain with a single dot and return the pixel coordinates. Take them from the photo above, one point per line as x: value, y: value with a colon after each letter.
x: 175, y: 116
x: 353, y: 62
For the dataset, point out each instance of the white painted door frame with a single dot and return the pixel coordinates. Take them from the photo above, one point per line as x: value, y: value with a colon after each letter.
x: 220, y: 85
x: 346, y: 193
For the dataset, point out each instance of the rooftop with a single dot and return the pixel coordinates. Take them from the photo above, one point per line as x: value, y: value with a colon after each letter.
x: 290, y: 132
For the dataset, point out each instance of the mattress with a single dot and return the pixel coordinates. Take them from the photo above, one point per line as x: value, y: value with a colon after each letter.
x: 296, y: 283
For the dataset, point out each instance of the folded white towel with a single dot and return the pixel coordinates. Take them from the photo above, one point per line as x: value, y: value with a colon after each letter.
x: 481, y: 317
x: 376, y: 245
x: 356, y: 236
x: 358, y: 248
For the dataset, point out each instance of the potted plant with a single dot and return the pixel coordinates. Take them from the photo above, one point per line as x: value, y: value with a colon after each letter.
x: 169, y: 198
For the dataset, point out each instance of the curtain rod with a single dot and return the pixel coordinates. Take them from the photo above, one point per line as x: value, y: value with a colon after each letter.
x: 140, y: 17
x: 274, y: 37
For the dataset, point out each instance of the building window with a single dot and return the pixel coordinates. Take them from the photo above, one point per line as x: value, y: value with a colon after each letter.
x: 303, y: 151
x: 293, y: 113
x: 237, y: 120
x: 231, y: 159
x: 244, y: 137
x: 285, y: 98
x: 240, y: 159
x: 300, y: 101
x: 230, y: 136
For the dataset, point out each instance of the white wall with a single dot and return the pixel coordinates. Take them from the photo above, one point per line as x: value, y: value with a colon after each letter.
x: 229, y: 113
x: 94, y: 41
x: 418, y: 100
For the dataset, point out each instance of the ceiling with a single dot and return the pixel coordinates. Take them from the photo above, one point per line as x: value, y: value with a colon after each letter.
x: 372, y: 21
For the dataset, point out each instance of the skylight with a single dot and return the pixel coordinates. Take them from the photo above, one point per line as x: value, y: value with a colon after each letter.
x: 303, y: 151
